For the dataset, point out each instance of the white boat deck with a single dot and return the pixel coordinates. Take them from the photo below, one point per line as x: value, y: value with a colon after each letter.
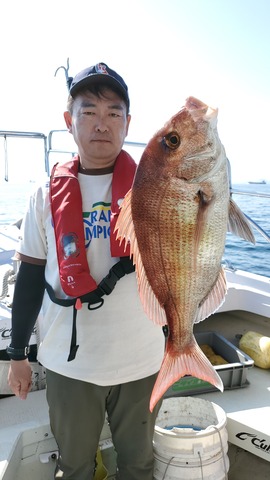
x: 26, y: 437
x: 25, y: 433
x: 25, y: 427
x: 247, y: 408
x: 19, y: 419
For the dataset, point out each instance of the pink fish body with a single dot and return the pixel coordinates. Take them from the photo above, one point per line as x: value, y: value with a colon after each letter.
x: 175, y: 218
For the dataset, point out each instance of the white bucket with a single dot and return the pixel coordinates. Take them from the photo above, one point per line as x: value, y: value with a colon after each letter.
x: 190, y: 440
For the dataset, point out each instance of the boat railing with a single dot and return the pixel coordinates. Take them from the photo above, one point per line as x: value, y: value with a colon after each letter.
x: 52, y: 133
x: 53, y: 141
x: 59, y: 141
x: 50, y: 145
x: 5, y: 134
x: 50, y: 148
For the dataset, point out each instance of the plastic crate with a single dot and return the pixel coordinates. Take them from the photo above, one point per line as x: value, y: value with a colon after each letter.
x: 233, y: 374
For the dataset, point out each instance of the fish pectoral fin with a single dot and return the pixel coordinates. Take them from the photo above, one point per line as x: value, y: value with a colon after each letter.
x: 205, y: 197
x: 189, y: 361
x: 238, y: 223
x: 214, y: 299
x: 126, y: 232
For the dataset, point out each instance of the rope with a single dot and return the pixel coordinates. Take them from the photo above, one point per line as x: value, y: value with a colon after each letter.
x: 40, y: 367
x: 8, y: 278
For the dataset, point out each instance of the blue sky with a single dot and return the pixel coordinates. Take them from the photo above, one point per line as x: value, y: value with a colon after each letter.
x: 217, y: 50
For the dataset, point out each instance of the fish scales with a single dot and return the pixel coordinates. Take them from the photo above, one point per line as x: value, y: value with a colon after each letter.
x: 175, y: 218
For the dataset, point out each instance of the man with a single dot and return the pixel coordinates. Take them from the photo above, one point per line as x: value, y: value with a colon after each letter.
x: 100, y: 351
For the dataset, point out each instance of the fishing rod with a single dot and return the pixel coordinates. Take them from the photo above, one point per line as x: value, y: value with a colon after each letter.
x: 260, y: 229
x: 251, y: 221
x: 252, y: 194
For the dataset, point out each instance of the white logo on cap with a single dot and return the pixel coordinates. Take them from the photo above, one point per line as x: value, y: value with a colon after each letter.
x: 101, y: 68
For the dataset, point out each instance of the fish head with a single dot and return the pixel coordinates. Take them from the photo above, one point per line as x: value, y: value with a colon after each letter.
x: 204, y: 153
x: 188, y: 146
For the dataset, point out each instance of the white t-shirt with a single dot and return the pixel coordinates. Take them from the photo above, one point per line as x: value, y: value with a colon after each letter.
x: 117, y: 342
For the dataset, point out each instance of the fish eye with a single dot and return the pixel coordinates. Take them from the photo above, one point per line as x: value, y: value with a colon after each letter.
x: 172, y: 140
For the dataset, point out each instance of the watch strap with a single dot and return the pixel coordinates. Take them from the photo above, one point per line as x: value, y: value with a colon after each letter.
x: 18, y: 353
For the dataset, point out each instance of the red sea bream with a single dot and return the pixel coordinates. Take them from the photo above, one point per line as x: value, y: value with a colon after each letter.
x: 175, y: 218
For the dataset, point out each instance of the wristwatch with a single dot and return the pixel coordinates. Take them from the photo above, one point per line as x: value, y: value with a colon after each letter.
x: 18, y: 353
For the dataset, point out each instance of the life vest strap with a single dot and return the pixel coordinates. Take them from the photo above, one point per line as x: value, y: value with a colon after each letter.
x: 106, y: 286
x: 94, y: 298
x: 73, y: 344
x: 121, y: 268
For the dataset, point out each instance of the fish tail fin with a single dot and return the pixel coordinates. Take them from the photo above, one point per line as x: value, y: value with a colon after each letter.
x: 191, y: 361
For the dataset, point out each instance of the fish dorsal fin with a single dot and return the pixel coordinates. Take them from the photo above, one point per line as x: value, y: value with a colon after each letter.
x: 238, y: 223
x: 126, y: 232
x: 214, y: 299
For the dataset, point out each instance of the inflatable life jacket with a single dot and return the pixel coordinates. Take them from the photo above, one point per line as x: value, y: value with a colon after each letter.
x: 74, y: 272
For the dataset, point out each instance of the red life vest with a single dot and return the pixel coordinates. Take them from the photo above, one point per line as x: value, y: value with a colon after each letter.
x: 66, y: 208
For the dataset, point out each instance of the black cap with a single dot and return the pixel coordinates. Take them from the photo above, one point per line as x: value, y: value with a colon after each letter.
x: 102, y: 74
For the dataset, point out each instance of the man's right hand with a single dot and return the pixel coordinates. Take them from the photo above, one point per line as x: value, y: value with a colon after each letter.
x: 20, y: 377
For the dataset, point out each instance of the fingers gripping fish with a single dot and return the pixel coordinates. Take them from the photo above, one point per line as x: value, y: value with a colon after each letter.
x: 175, y: 218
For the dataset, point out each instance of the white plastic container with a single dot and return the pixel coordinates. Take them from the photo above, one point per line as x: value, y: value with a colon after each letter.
x: 190, y: 440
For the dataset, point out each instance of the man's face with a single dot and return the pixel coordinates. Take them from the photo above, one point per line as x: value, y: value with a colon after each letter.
x: 99, y: 127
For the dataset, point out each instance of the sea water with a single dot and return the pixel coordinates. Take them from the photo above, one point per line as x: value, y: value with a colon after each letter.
x: 238, y: 253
